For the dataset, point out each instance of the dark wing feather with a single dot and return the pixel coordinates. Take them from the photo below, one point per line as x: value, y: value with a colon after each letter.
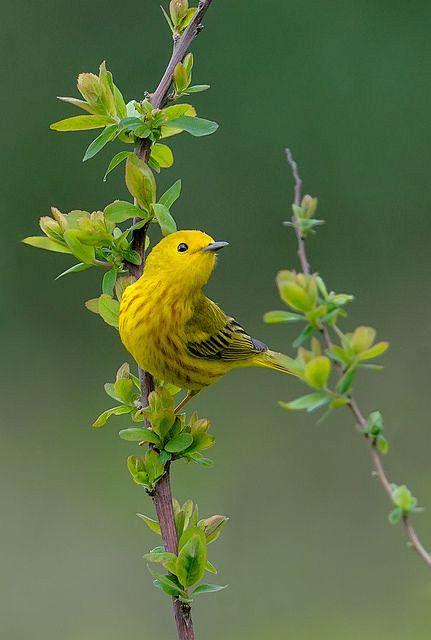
x: 213, y: 335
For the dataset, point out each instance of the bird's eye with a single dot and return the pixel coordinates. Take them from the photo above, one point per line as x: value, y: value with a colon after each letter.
x: 182, y: 247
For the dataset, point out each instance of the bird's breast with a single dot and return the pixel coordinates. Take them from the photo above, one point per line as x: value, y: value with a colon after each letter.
x: 151, y: 324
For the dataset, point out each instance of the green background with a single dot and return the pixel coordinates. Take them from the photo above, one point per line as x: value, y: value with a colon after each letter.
x: 308, y: 552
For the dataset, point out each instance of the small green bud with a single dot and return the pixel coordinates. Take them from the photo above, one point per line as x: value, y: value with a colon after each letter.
x: 178, y: 9
x: 61, y: 218
x: 308, y: 205
x: 50, y: 227
x: 297, y: 290
x: 403, y: 498
x: 181, y: 78
x: 95, y: 90
x: 188, y: 63
x: 212, y: 527
x: 90, y: 87
x: 362, y: 338
x: 123, y: 372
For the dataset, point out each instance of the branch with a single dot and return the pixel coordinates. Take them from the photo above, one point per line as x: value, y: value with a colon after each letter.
x: 297, y: 201
x: 163, y: 493
x: 353, y: 405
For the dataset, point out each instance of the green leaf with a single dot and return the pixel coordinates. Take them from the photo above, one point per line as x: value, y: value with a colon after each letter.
x: 374, y: 424
x: 140, y: 181
x: 84, y: 252
x: 403, y: 498
x: 208, y: 588
x: 116, y: 160
x: 171, y: 195
x: 138, y: 435
x: 168, y: 20
x: 82, y: 123
x: 81, y: 266
x: 131, y: 256
x: 210, y: 567
x: 310, y: 402
x: 121, y: 210
x: 200, y: 459
x: 167, y: 584
x: 303, y: 336
x: 195, y: 126
x: 197, y: 88
x: 273, y: 317
x: 179, y: 443
x: 177, y: 111
x: 192, y: 559
x: 163, y: 155
x: 395, y: 515
x: 151, y: 523
x: 108, y: 282
x: 109, y: 309
x: 131, y: 123
x: 212, y: 527
x: 107, y: 135
x: 109, y: 387
x: 181, y: 78
x: 345, y: 382
x: 317, y: 372
x: 164, y: 218
x: 153, y: 466
x: 375, y: 351
x: 81, y: 104
x: 338, y: 354
x: 165, y: 558
x: 382, y: 444
x: 41, y: 242
x: 119, y: 102
x: 164, y: 457
x: 93, y: 306
x: 115, y: 411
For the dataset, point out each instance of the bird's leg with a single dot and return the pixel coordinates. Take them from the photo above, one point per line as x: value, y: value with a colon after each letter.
x: 185, y: 400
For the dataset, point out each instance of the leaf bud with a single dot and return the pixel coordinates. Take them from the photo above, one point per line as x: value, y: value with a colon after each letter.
x: 212, y: 527
x: 299, y: 291
x: 50, y: 227
x: 362, y: 338
x: 403, y: 498
x: 308, y: 205
x: 178, y: 9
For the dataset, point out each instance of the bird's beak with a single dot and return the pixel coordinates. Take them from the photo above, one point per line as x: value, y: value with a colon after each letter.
x: 215, y: 246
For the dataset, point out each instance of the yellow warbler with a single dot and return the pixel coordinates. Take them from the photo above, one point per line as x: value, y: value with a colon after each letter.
x: 173, y: 330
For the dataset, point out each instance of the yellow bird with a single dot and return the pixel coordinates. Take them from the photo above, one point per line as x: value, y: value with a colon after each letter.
x: 173, y: 330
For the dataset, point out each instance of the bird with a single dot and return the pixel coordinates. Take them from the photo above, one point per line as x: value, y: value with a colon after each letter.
x: 174, y: 331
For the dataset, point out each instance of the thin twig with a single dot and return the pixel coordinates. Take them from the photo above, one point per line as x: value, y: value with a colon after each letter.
x: 302, y: 255
x: 353, y: 405
x: 163, y: 492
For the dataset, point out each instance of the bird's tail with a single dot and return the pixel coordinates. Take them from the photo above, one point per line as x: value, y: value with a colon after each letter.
x: 278, y: 361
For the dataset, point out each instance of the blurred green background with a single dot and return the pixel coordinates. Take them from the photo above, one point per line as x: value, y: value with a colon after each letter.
x: 308, y: 551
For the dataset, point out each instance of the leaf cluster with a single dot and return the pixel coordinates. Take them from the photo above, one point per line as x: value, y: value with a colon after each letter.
x: 172, y: 436
x: 404, y: 503
x: 189, y: 566
x: 303, y: 216
x: 319, y: 309
x: 136, y: 120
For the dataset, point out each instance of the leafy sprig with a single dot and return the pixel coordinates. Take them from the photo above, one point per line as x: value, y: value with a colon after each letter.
x: 330, y: 365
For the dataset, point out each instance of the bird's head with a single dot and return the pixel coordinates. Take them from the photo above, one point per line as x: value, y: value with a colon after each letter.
x: 186, y: 257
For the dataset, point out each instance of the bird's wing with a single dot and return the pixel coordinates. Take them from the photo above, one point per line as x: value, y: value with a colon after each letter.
x: 212, y: 335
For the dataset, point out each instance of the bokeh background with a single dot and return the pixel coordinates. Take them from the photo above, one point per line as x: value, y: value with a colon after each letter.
x: 308, y: 552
